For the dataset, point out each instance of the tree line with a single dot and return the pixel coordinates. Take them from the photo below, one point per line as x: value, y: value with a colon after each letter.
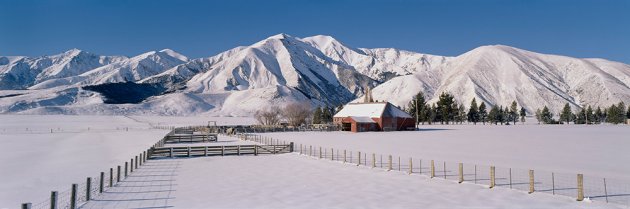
x: 614, y: 114
x: 446, y: 111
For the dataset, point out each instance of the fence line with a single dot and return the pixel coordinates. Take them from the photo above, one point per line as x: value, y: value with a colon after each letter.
x: 579, y: 186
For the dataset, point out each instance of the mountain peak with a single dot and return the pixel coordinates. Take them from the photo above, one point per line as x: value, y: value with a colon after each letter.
x: 175, y: 54
x: 280, y: 36
x: 72, y: 52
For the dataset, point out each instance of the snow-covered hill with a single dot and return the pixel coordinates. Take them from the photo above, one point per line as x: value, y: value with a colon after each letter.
x: 132, y: 69
x: 317, y: 69
x: 23, y: 72
x: 500, y: 74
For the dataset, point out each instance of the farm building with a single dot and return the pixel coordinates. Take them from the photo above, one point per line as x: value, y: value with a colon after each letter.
x: 373, y: 116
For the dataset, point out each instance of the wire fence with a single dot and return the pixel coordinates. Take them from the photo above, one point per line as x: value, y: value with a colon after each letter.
x: 92, y: 187
x: 581, y: 187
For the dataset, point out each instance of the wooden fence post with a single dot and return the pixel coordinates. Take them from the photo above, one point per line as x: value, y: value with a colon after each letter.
x: 136, y: 157
x: 111, y: 177
x: 461, y: 173
x: 238, y: 150
x: 131, y: 166
x: 222, y: 150
x: 255, y: 150
x: 432, y: 169
x: 410, y: 166
x: 373, y: 160
x: 310, y: 150
x: 580, y: 185
x: 301, y: 149
x: 126, y: 165
x: 73, y: 196
x: 88, y: 188
x: 118, y: 174
x: 101, y: 183
x: 359, y: 161
x: 344, y: 156
x: 492, y: 177
x: 53, y: 200
x: 389, y: 167
x: 205, y: 151
x: 531, y: 181
x: 320, y: 152
x: 291, y: 144
x: 332, y: 154
x: 27, y: 205
x: 171, y: 153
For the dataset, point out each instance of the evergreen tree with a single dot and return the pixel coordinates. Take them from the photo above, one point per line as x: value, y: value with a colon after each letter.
x: 473, y: 112
x: 445, y: 108
x: 514, y: 112
x: 416, y: 105
x: 433, y: 114
x: 565, y: 115
x: 616, y: 114
x: 523, y: 113
x: 580, y: 117
x: 493, y: 115
x: 425, y: 113
x: 327, y: 115
x: 546, y: 116
x: 317, y: 116
x: 589, y: 115
x: 628, y: 113
x: 483, y: 114
x: 599, y: 115
x: 454, y: 114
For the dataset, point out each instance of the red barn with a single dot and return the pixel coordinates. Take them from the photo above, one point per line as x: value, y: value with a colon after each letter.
x: 374, y: 116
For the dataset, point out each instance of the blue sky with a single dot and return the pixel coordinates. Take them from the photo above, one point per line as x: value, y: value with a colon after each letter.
x: 576, y: 28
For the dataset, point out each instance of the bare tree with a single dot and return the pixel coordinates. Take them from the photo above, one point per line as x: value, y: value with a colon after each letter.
x: 297, y: 113
x: 268, y: 116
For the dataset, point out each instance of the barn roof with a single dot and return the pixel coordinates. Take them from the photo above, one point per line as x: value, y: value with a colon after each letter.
x: 371, y: 110
x: 359, y: 119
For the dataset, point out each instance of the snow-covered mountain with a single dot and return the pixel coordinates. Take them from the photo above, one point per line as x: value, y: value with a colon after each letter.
x: 132, y: 69
x: 498, y: 75
x: 317, y: 69
x: 23, y: 72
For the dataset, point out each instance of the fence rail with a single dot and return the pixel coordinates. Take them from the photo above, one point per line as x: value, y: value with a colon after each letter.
x: 199, y: 151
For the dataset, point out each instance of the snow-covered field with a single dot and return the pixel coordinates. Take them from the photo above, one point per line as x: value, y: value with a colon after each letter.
x: 294, y: 181
x: 40, y: 161
x: 34, y: 161
x: 193, y: 120
x: 600, y: 150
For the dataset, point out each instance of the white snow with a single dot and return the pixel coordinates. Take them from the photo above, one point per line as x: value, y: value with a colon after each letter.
x: 370, y: 110
x: 72, y: 153
x: 293, y: 181
x: 34, y: 161
x: 598, y: 150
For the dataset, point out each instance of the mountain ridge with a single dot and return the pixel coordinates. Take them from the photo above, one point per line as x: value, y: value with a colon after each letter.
x: 319, y: 70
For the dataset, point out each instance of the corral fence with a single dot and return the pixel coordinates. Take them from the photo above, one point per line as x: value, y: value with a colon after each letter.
x: 579, y: 186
